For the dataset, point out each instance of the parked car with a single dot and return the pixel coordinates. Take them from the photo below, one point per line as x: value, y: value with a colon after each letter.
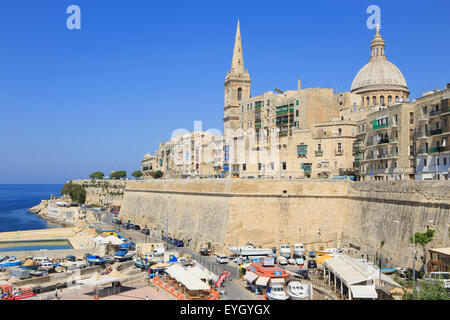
x: 145, y: 231
x: 71, y: 258
x: 221, y: 259
x: 312, y: 264
x: 205, y: 252
x: 126, y: 225
x: 136, y: 227
x: 303, y: 273
x: 439, y: 276
x: 180, y: 243
x: 116, y: 221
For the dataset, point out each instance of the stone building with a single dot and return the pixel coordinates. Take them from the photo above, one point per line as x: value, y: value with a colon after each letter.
x: 432, y: 134
x: 384, y: 148
x: 192, y: 154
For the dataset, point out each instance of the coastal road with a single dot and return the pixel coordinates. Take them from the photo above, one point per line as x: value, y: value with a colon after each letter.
x: 233, y: 290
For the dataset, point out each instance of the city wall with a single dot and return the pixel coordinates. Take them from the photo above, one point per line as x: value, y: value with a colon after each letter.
x: 319, y: 213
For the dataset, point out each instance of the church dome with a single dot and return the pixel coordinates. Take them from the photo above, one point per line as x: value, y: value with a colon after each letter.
x: 379, y: 73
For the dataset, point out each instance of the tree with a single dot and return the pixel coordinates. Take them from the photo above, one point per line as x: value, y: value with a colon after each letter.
x: 428, y: 290
x: 423, y: 239
x: 137, y: 174
x: 116, y: 175
x: 97, y: 175
x: 76, y: 192
x: 158, y: 174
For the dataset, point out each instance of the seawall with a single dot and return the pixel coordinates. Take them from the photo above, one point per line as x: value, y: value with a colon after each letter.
x: 319, y: 213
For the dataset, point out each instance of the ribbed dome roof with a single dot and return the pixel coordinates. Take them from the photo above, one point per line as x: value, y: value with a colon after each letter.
x: 378, y: 72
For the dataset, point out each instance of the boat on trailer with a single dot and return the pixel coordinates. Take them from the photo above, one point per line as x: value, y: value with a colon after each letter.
x: 250, y: 250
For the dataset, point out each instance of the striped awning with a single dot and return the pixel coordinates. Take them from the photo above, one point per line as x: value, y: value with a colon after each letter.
x: 250, y: 276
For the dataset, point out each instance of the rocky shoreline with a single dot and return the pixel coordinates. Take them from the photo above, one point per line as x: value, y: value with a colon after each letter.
x: 41, y: 211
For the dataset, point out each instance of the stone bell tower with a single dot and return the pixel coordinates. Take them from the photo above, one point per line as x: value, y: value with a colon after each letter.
x: 237, y: 85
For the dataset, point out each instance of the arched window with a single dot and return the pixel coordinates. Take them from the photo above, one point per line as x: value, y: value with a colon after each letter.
x: 368, y: 101
x: 374, y: 100
x: 239, y: 94
x: 382, y: 100
x: 389, y: 99
x: 377, y: 52
x: 397, y: 99
x: 362, y: 103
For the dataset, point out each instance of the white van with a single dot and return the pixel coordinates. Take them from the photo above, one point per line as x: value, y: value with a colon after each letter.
x: 439, y: 276
x: 222, y: 259
x: 285, y: 250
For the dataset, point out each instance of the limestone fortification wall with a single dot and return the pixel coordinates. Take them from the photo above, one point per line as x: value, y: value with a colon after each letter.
x: 102, y: 192
x: 319, y: 213
x: 374, y: 207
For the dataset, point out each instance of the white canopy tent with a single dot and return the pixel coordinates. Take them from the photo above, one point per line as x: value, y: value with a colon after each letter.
x: 365, y: 292
x: 262, y: 281
x: 352, y: 275
x: 114, y: 240
x: 186, y: 278
x: 250, y: 276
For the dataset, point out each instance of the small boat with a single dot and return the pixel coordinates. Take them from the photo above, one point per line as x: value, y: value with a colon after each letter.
x: 250, y: 250
x: 296, y: 291
x: 143, y: 263
x: 282, y: 261
x: 31, y: 264
x: 299, y: 250
x: 21, y: 294
x: 109, y: 260
x: 312, y: 254
x: 299, y: 261
x: 291, y: 261
x: 388, y: 270
x: 95, y: 260
x: 36, y: 273
x: 11, y: 262
x: 60, y: 269
x: 276, y: 292
x: 123, y: 255
x: 3, y: 258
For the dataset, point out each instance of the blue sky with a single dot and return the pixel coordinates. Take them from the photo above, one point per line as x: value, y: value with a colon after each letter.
x: 76, y: 101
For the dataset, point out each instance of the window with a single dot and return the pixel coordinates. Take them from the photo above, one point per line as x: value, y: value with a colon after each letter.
x: 319, y: 147
x: 244, y: 166
x: 340, y: 130
x: 284, y: 165
x: 272, y: 165
x: 397, y: 99
x: 339, y: 146
x: 424, y: 162
x: 437, y: 161
x: 239, y: 94
x: 374, y: 101
x: 296, y: 113
x: 389, y: 99
x: 445, y: 161
x: 368, y: 101
x: 259, y: 166
x: 382, y: 100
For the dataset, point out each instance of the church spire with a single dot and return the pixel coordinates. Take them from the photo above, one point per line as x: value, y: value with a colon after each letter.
x: 377, y: 46
x: 237, y: 65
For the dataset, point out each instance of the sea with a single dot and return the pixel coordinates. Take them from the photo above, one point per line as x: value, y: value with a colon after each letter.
x: 16, y: 199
